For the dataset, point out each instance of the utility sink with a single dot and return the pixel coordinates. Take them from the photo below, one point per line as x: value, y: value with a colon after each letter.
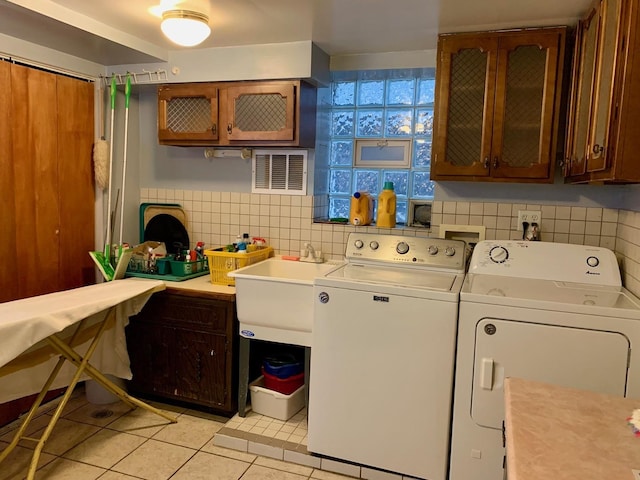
x: 274, y: 299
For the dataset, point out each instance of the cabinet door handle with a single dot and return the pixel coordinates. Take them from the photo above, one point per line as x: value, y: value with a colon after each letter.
x: 495, y: 162
x: 598, y: 150
x: 486, y: 162
x: 214, y: 129
x: 229, y: 128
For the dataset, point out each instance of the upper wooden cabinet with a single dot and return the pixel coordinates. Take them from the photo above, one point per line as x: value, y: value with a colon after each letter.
x: 274, y: 113
x: 187, y: 112
x: 496, y: 106
x: 261, y: 112
x: 604, y: 114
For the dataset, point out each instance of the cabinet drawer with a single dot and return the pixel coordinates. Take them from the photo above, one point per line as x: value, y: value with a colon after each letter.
x: 176, y: 310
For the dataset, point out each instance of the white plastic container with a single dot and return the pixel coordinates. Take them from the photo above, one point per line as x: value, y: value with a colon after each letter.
x: 275, y: 404
x: 98, y: 395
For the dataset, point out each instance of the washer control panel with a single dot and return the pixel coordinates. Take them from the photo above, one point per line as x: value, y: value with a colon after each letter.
x: 546, y: 261
x: 405, y: 250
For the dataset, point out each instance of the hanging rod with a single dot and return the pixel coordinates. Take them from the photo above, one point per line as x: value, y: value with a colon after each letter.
x: 146, y: 76
x: 5, y: 57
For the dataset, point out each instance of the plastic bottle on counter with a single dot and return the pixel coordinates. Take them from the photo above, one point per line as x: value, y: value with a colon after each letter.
x: 241, y: 245
x: 361, y: 211
x: 386, y: 216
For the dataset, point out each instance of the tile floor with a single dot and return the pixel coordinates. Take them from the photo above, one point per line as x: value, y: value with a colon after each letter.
x: 112, y: 442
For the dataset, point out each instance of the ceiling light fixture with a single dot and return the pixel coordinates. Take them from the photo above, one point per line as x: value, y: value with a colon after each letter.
x: 185, y: 27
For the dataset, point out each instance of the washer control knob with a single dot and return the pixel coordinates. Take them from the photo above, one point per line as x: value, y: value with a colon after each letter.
x: 498, y: 254
x: 449, y: 251
x: 593, y: 261
x: 374, y: 245
x: 433, y: 249
x: 402, y: 248
x: 359, y: 244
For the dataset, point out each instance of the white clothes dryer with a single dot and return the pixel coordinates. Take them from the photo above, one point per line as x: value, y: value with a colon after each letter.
x: 549, y: 312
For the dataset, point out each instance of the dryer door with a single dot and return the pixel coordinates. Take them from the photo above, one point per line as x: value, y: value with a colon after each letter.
x: 572, y: 357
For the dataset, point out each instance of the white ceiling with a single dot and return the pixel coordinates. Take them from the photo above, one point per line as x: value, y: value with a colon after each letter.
x: 125, y: 31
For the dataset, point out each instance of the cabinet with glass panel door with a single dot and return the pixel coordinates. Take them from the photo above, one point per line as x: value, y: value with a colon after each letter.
x: 257, y: 113
x: 187, y: 112
x: 604, y: 115
x: 497, y: 105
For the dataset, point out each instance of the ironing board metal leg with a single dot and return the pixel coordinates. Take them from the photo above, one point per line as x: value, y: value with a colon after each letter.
x: 38, y: 401
x: 94, y: 373
x: 32, y: 411
x: 67, y: 353
x: 67, y: 394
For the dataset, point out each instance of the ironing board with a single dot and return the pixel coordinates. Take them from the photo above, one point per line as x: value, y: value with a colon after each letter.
x: 48, y: 341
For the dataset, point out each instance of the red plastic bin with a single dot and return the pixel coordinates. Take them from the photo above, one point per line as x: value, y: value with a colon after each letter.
x: 285, y: 386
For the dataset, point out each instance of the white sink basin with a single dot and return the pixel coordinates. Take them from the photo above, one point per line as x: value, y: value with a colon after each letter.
x: 274, y: 299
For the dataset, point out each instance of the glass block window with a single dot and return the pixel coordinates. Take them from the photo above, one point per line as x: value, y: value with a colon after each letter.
x: 380, y: 104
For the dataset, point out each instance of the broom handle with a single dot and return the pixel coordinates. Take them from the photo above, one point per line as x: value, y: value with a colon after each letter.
x: 127, y: 94
x: 101, y: 110
x: 113, y: 109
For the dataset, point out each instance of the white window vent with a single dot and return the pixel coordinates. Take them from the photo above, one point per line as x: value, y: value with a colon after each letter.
x: 279, y: 172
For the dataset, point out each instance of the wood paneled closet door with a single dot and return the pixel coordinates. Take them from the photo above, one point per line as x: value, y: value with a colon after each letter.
x: 46, y: 188
x: 8, y: 281
x: 51, y: 131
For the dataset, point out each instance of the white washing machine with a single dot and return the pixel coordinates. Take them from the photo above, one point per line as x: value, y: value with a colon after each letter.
x: 550, y: 312
x: 382, y: 354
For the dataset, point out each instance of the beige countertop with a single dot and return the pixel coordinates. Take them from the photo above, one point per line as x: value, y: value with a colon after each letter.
x: 202, y: 286
x: 567, y: 434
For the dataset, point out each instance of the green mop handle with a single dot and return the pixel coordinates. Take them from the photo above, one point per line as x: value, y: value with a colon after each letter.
x: 113, y: 92
x: 107, y: 246
x: 127, y: 94
x: 127, y: 91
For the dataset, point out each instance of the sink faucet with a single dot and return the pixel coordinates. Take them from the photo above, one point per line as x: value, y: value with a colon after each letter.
x: 311, y: 255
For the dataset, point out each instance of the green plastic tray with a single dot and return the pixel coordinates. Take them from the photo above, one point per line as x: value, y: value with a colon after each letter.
x: 168, y: 278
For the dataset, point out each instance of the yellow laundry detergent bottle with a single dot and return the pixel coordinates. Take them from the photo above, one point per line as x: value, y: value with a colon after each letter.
x: 386, y: 216
x: 361, y: 212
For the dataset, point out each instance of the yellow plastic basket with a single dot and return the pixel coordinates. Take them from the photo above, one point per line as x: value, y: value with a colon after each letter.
x: 221, y: 263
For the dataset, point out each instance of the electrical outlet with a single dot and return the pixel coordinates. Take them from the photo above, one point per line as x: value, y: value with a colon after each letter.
x: 529, y: 216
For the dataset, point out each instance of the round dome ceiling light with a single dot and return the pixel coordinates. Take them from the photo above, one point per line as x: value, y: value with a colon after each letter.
x: 185, y: 27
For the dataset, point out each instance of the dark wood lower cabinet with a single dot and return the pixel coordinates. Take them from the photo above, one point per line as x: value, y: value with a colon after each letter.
x: 183, y: 346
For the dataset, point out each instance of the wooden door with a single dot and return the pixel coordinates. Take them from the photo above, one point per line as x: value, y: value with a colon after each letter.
x: 9, y: 289
x: 75, y: 121
x: 263, y: 111
x: 34, y: 155
x: 464, y: 106
x: 201, y: 366
x: 584, y: 70
x: 608, y: 20
x: 151, y: 347
x: 528, y: 69
x: 46, y: 189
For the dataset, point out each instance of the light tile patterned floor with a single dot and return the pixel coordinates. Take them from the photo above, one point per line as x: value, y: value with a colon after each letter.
x: 111, y: 442
x: 293, y: 430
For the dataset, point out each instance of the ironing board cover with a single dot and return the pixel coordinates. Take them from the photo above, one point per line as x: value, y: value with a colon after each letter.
x: 26, y: 360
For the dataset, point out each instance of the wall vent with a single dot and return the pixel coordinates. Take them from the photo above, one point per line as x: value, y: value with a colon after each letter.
x: 279, y: 172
